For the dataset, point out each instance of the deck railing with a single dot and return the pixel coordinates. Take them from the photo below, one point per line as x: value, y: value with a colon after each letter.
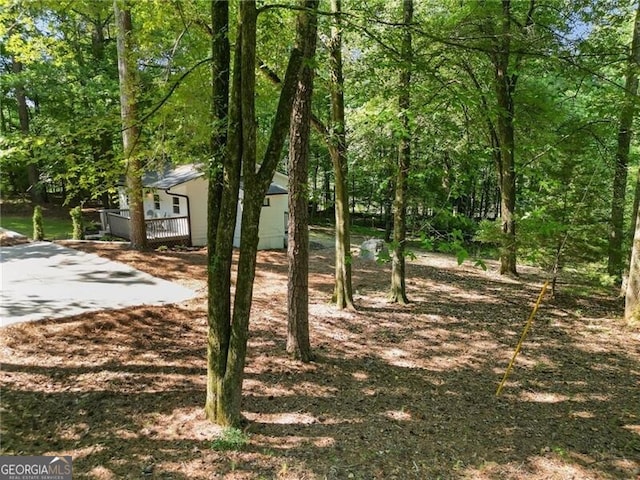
x: 169, y: 229
x: 160, y: 231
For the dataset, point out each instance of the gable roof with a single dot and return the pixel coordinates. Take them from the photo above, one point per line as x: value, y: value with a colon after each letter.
x: 174, y: 176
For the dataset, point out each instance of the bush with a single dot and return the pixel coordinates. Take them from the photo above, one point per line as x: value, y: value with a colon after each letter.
x: 38, y: 229
x: 76, y: 218
x: 444, y: 222
x: 489, y: 232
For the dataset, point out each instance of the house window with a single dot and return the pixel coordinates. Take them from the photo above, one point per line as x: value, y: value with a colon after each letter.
x: 176, y: 205
x: 156, y: 201
x: 266, y: 202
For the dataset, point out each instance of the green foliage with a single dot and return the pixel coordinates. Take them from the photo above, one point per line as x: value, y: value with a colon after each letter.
x: 38, y: 229
x: 230, y: 439
x: 568, y: 103
x: 489, y: 232
x: 445, y: 223
x: 78, y: 226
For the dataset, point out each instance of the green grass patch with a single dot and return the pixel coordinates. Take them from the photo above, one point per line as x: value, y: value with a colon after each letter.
x: 231, y: 439
x: 54, y: 228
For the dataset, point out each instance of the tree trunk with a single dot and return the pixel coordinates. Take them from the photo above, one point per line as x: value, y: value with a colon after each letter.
x: 343, y: 290
x: 298, y: 344
x: 33, y: 173
x: 102, y: 143
x: 220, y: 55
x: 504, y: 84
x: 632, y: 297
x: 223, y: 189
x: 616, y: 225
x: 398, y: 286
x: 130, y: 127
x: 229, y: 330
x: 3, y: 121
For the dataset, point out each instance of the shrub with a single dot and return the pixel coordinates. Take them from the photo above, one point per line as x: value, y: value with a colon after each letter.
x: 38, y: 229
x: 76, y: 218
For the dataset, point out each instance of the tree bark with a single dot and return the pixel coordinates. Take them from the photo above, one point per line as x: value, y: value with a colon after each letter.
x: 221, y: 55
x: 343, y: 290
x: 298, y: 343
x: 632, y: 296
x: 33, y: 173
x: 398, y: 283
x: 130, y: 128
x: 616, y: 224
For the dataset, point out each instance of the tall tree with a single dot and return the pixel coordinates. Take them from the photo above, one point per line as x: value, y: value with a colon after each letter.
x: 223, y: 173
x: 505, y: 79
x: 130, y: 127
x: 229, y: 326
x: 343, y: 290
x: 102, y: 143
x: 298, y: 344
x: 398, y: 287
x: 334, y: 136
x: 616, y: 227
x: 33, y: 173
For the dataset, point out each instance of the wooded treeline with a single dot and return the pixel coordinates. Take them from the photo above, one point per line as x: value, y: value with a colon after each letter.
x: 509, y: 124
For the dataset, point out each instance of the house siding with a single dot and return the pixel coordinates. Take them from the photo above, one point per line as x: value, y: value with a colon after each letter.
x: 272, y: 223
x: 197, y: 190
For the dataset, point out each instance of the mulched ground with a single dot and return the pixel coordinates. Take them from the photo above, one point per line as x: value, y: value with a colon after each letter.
x: 396, y: 392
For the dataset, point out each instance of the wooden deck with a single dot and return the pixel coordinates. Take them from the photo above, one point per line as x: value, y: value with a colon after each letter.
x: 160, y: 231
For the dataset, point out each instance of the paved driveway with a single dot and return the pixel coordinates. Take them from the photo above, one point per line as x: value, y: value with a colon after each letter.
x: 45, y: 280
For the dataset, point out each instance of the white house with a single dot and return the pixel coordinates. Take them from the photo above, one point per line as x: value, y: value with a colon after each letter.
x: 175, y: 205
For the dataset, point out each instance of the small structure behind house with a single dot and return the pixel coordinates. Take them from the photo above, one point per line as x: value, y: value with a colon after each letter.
x: 175, y: 205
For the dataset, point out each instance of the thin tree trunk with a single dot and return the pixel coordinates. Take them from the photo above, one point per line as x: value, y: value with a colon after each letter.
x: 3, y: 121
x: 616, y: 225
x: 343, y: 290
x: 102, y: 144
x: 298, y: 343
x: 223, y: 178
x: 632, y: 297
x: 33, y: 173
x: 398, y: 283
x: 130, y: 127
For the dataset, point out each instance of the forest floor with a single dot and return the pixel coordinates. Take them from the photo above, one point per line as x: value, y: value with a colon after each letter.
x: 396, y: 392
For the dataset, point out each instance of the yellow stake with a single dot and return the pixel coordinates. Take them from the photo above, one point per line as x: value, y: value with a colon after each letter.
x: 524, y: 334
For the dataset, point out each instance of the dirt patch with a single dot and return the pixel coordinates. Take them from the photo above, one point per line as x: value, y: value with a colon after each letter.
x: 405, y: 392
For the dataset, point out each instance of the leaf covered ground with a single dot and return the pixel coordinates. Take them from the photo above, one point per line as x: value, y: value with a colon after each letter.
x: 404, y: 392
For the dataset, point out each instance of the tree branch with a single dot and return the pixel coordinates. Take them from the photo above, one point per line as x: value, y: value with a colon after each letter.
x: 177, y: 83
x: 273, y: 77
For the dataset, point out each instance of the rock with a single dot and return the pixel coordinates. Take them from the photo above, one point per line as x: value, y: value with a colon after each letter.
x: 373, y: 248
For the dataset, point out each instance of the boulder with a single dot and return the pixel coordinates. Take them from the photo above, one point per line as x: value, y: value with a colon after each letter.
x: 373, y: 248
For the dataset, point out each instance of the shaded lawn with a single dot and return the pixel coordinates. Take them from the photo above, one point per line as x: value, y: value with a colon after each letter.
x: 396, y: 392
x: 54, y: 228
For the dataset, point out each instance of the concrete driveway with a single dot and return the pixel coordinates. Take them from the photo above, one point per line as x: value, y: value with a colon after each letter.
x: 45, y: 280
